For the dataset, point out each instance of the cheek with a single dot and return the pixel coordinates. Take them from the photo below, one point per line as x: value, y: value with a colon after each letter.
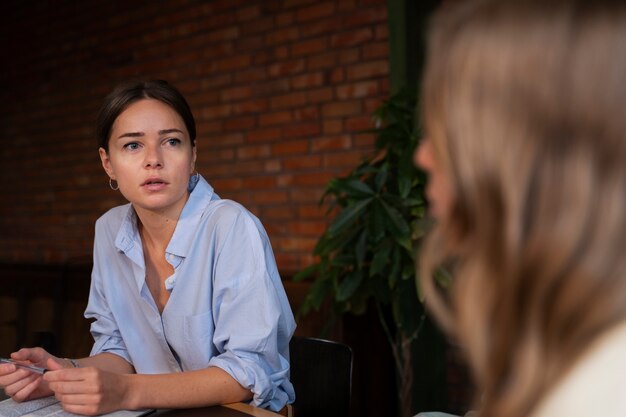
x: 438, y: 190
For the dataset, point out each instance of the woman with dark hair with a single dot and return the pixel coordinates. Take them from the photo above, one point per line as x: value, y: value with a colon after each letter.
x: 187, y: 304
x: 523, y: 105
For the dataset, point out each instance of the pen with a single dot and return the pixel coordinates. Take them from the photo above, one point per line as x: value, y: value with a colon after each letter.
x: 31, y: 368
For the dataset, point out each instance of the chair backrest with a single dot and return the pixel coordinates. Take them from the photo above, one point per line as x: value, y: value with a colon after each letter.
x: 321, y: 373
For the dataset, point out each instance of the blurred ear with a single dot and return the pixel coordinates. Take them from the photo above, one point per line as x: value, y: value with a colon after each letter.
x: 194, y: 154
x: 106, y: 163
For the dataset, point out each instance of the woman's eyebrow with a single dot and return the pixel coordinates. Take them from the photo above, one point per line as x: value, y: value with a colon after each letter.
x: 166, y: 131
x: 140, y: 134
x: 131, y: 135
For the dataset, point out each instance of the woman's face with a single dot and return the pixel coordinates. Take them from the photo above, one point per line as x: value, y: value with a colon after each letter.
x: 150, y: 156
x: 438, y: 188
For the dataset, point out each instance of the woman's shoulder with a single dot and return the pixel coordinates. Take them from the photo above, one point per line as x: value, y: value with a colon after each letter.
x: 594, y: 386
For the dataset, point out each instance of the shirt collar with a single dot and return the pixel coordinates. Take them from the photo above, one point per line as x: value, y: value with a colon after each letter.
x: 199, y: 198
x: 201, y: 194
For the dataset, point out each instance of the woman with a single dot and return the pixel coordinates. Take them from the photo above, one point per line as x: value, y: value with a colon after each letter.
x: 187, y: 303
x: 523, y: 105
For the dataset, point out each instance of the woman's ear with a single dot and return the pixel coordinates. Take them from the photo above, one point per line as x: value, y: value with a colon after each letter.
x: 194, y: 154
x: 106, y: 163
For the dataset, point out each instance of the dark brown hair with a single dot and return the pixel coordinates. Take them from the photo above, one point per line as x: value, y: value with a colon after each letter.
x: 127, y: 93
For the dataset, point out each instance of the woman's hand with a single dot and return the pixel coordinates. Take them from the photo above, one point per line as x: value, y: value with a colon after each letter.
x: 87, y: 391
x: 21, y: 384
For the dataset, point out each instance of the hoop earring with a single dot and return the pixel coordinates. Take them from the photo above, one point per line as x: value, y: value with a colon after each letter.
x: 196, y: 176
x: 114, y: 188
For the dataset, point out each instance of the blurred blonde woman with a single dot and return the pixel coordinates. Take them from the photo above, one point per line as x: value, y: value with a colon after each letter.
x: 524, y: 105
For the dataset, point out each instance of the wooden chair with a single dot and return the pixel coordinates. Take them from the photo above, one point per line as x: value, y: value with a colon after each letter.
x: 321, y: 373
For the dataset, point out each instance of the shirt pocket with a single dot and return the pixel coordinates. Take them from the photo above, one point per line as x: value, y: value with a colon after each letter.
x: 198, y: 334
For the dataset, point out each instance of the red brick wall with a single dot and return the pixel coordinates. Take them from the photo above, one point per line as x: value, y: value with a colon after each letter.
x: 280, y: 91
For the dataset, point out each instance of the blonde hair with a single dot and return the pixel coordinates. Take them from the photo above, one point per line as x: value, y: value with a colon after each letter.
x: 525, y: 105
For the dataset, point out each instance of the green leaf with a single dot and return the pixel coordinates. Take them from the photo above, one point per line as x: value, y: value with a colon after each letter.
x: 349, y: 285
x: 348, y: 216
x: 380, y: 260
x: 361, y: 248
x: 305, y: 273
x: 356, y: 187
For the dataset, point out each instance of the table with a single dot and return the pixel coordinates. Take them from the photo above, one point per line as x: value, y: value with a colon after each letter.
x: 227, y: 410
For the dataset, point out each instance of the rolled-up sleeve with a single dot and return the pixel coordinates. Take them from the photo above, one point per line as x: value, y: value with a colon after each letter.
x: 253, y: 321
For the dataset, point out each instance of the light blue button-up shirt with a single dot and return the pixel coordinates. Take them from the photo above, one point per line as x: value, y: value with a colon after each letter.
x: 227, y: 307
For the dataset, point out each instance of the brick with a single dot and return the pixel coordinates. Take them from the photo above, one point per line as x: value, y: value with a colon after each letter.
x: 235, y: 93
x: 226, y: 184
x: 309, y: 46
x: 300, y: 163
x: 248, y: 13
x: 382, y: 32
x: 332, y: 126
x: 258, y: 26
x: 375, y: 50
x: 243, y: 123
x: 352, y: 38
x: 311, y: 211
x: 359, y: 123
x: 284, y: 19
x: 342, y: 108
x: 321, y: 61
x: 312, y: 179
x: 336, y: 75
x: 288, y: 100
x: 290, y: 147
x: 275, y: 118
x: 306, y: 195
x: 325, y: 26
x: 344, y: 159
x: 331, y: 143
x: 224, y: 34
x: 227, y: 139
x: 251, y: 43
x: 301, y: 130
x: 234, y: 63
x: 320, y: 95
x: 357, y: 90
x: 315, y: 79
x: 273, y: 165
x: 271, y: 197
x: 306, y: 113
x: 215, y: 112
x: 282, y: 36
x: 315, y: 12
x: 349, y: 56
x: 216, y: 154
x: 370, y: 69
x: 364, y: 141
x: 307, y: 228
x: 253, y: 151
x: 286, y: 68
x: 264, y: 135
x: 366, y: 16
x: 250, y: 106
x: 258, y: 182
x: 278, y: 213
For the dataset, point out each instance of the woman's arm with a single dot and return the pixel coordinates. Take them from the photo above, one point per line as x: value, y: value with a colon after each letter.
x: 93, y: 391
x: 105, y: 361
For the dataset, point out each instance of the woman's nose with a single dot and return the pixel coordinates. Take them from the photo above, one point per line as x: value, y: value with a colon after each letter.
x: 153, y: 157
x: 423, y: 157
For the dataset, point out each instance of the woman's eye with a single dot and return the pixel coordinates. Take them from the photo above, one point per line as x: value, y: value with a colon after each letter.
x: 131, y: 146
x: 173, y: 142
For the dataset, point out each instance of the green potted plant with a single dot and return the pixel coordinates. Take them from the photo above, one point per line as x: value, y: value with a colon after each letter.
x: 367, y: 254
